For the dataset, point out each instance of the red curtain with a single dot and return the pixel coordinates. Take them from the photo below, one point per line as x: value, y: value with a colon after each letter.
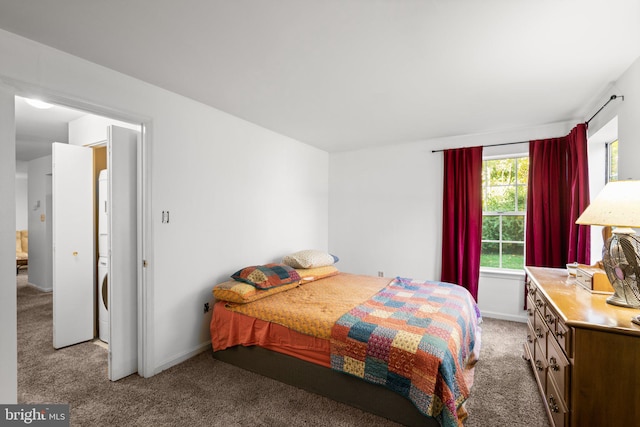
x: 558, y: 193
x: 462, y: 218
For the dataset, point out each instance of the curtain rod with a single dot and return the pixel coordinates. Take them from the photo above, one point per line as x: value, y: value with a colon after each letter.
x: 605, y: 104
x: 525, y: 142
x: 488, y: 145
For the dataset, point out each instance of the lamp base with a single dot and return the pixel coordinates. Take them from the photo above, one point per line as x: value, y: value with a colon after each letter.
x: 620, y: 258
x: 636, y: 319
x: 616, y: 299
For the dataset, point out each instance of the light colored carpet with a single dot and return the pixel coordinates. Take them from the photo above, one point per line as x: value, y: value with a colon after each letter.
x: 204, y: 391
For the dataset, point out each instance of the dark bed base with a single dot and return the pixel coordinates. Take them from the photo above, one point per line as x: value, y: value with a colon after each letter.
x: 335, y: 385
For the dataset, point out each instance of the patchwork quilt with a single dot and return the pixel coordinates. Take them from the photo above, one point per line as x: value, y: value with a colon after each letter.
x: 419, y: 339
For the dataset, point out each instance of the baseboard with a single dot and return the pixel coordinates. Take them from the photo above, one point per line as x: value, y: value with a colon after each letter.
x: 39, y: 288
x: 502, y: 316
x: 182, y: 357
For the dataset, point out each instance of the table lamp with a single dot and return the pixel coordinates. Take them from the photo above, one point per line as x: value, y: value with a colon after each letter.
x: 618, y: 205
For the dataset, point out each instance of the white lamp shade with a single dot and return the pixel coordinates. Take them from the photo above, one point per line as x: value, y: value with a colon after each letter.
x: 618, y: 205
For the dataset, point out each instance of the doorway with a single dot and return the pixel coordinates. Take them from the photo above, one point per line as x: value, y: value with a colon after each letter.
x: 126, y: 349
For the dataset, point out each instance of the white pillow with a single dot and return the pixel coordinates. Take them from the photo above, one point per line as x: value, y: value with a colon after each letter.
x: 309, y: 258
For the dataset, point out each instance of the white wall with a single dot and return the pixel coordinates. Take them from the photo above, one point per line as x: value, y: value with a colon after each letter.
x: 22, y: 214
x: 628, y: 129
x: 501, y: 296
x: 385, y: 212
x: 627, y: 112
x: 238, y: 194
x: 383, y: 206
x: 598, y: 141
x: 619, y: 117
x: 40, y: 244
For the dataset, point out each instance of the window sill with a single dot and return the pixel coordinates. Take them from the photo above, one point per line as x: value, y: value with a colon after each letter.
x: 501, y: 273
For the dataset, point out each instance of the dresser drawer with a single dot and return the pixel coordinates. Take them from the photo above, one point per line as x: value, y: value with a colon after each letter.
x: 539, y: 302
x: 551, y: 318
x: 531, y: 341
x: 531, y: 287
x: 531, y: 310
x: 563, y: 337
x: 540, y: 366
x: 559, y: 369
x: 555, y: 404
x: 540, y: 331
x: 531, y: 301
x: 531, y: 296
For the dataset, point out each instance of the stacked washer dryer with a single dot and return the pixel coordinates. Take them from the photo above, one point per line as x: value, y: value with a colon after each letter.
x: 103, y: 257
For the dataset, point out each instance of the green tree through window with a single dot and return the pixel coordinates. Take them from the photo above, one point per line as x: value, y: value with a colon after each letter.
x: 612, y: 161
x: 504, y: 186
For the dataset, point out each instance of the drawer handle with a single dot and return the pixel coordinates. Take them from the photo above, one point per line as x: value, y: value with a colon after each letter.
x: 560, y: 334
x: 553, y: 364
x: 539, y: 365
x: 553, y: 406
x: 532, y: 291
x: 530, y: 311
x: 539, y: 333
x: 539, y: 303
x: 529, y: 339
x: 550, y: 319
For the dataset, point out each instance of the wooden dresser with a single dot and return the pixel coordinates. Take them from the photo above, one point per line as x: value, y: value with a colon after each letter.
x: 585, y: 353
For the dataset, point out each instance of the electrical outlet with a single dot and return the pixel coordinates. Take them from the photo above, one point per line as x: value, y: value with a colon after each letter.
x: 206, y: 307
x: 380, y: 274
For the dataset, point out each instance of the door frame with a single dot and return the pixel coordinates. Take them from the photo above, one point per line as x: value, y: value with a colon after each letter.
x: 145, y: 229
x: 8, y: 299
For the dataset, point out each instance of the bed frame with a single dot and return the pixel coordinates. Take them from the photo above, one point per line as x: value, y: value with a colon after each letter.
x: 335, y: 385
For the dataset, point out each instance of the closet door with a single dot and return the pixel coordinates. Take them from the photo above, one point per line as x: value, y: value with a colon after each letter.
x: 122, y: 160
x: 73, y: 250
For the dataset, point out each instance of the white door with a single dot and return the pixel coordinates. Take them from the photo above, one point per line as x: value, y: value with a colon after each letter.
x: 122, y: 163
x: 73, y: 250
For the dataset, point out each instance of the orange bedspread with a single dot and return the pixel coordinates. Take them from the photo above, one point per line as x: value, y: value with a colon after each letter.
x: 313, y: 308
x: 296, y: 322
x: 229, y: 329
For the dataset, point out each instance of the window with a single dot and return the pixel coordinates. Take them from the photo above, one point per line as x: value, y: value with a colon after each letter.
x: 612, y: 161
x: 504, y: 199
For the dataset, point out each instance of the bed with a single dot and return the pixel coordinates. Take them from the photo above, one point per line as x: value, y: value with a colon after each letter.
x: 399, y: 348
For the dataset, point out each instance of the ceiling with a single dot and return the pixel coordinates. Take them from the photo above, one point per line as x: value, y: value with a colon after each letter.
x: 37, y: 128
x: 347, y: 74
